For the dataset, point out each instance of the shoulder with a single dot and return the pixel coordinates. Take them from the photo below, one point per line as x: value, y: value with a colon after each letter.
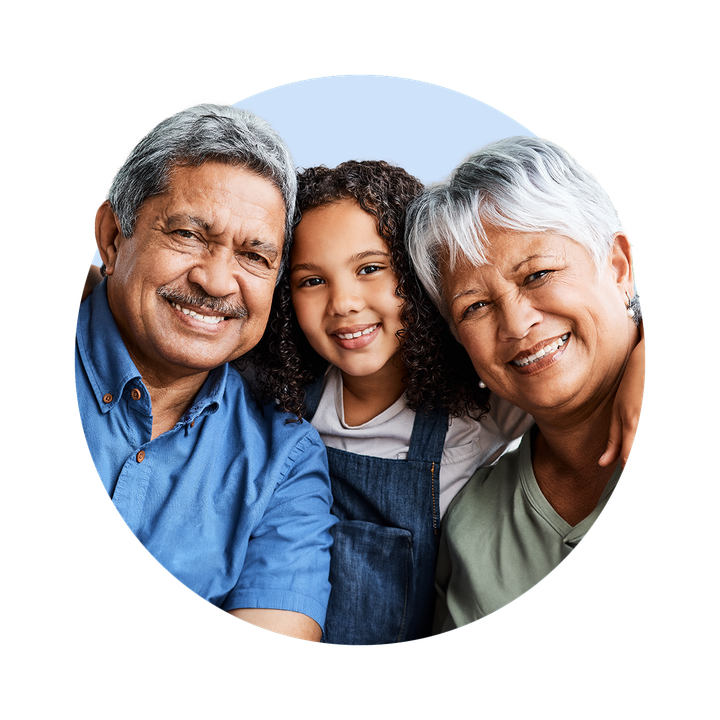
x: 488, y: 488
x: 278, y: 429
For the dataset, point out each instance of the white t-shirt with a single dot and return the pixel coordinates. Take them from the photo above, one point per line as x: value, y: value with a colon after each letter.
x: 469, y: 444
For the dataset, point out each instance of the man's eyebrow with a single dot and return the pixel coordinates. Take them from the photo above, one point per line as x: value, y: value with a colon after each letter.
x: 182, y: 218
x: 268, y: 248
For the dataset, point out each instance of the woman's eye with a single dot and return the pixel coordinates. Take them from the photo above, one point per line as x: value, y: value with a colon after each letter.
x: 474, y: 308
x: 537, y: 276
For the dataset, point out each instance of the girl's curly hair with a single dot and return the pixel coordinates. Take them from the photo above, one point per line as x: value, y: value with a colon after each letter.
x: 439, y: 372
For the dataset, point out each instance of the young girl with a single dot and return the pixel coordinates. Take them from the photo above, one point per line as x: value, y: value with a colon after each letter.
x: 354, y: 346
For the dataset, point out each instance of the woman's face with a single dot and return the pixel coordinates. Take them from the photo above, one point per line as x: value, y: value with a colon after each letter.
x: 543, y: 327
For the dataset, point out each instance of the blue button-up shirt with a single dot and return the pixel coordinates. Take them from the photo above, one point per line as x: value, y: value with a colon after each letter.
x: 233, y: 500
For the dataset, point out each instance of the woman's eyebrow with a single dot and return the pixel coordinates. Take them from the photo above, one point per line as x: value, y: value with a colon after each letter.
x: 536, y: 256
x: 463, y: 293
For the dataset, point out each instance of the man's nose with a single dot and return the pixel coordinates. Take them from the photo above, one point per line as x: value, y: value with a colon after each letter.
x: 216, y: 273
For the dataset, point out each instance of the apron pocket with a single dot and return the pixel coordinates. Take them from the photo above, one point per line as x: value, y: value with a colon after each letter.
x: 370, y: 575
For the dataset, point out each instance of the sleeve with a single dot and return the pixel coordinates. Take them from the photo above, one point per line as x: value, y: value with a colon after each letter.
x: 287, y: 563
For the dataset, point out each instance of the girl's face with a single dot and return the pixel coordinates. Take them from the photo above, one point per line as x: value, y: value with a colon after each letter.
x: 343, y: 289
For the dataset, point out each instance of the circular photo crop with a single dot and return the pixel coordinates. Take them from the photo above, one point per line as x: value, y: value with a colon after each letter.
x: 359, y: 359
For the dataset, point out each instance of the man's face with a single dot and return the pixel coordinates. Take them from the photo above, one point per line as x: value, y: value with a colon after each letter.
x: 191, y: 289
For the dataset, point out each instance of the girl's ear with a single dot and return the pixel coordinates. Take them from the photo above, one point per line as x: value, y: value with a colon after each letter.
x: 107, y: 236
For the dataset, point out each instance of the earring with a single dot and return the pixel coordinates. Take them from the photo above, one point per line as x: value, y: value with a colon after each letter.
x: 482, y: 385
x: 629, y: 306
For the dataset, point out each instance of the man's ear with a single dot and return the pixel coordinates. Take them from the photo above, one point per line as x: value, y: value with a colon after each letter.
x: 107, y: 236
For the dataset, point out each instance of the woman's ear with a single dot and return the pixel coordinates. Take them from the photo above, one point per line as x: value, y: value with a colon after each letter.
x: 621, y: 263
x: 107, y: 236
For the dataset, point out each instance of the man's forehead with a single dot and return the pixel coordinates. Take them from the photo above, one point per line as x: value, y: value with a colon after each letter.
x: 216, y: 180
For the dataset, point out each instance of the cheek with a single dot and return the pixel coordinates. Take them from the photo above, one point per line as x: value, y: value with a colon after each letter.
x: 305, y: 312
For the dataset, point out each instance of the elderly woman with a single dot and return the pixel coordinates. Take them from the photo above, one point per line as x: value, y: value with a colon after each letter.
x: 523, y: 253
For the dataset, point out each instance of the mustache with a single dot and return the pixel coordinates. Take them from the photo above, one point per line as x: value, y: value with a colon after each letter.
x: 198, y: 298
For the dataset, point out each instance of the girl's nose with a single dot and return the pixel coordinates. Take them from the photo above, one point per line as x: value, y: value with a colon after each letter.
x: 343, y: 301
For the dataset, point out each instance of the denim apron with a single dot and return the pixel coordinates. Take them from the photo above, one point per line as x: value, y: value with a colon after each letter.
x: 382, y: 567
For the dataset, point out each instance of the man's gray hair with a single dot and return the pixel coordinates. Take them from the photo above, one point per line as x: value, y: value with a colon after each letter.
x: 220, y: 133
x: 519, y: 184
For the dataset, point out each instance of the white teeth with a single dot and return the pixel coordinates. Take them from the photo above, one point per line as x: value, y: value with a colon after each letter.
x: 350, y: 336
x: 554, y: 345
x: 210, y: 319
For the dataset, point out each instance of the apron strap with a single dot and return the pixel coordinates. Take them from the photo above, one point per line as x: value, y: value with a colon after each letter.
x: 428, y: 436
x: 312, y: 397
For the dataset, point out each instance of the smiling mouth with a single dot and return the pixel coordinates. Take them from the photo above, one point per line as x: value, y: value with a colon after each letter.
x: 200, y: 306
x: 360, y: 333
x: 209, y: 319
x: 542, y: 352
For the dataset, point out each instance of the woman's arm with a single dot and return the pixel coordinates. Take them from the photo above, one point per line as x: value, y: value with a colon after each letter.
x: 626, y: 408
x: 93, y: 278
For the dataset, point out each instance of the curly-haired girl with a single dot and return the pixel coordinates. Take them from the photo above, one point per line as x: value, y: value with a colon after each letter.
x: 354, y: 346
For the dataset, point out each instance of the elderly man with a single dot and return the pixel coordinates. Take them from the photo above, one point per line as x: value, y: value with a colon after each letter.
x: 229, y: 496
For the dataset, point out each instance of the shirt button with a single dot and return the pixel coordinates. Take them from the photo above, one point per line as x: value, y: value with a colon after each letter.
x: 107, y: 398
x: 135, y: 394
x: 140, y: 456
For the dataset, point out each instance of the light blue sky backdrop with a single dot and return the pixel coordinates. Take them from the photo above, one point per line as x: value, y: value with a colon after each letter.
x: 424, y: 128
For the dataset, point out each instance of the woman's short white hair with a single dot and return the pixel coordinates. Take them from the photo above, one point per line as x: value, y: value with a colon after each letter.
x: 519, y: 184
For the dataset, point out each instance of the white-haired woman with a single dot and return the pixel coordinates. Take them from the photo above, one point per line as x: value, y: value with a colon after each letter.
x: 523, y: 253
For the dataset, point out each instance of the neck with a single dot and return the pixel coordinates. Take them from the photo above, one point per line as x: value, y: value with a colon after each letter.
x: 565, y: 462
x: 366, y: 397
x: 170, y: 397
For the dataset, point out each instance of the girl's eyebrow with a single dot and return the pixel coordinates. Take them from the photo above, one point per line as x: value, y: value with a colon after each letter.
x: 358, y: 257
x: 304, y: 267
x: 369, y: 253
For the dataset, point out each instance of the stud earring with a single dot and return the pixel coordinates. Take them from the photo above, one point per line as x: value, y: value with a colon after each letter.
x: 629, y: 306
x: 482, y: 385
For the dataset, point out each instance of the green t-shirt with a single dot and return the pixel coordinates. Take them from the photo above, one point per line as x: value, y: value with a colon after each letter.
x: 500, y: 537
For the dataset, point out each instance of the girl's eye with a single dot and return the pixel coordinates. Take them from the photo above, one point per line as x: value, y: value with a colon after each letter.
x: 370, y: 269
x: 311, y: 282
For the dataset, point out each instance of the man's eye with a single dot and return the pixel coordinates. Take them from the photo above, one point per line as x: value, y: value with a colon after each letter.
x: 256, y: 258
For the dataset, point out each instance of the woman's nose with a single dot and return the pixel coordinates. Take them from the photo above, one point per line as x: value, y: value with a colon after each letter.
x: 517, y: 318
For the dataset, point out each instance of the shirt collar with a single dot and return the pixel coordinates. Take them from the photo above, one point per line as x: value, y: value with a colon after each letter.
x: 109, y: 366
